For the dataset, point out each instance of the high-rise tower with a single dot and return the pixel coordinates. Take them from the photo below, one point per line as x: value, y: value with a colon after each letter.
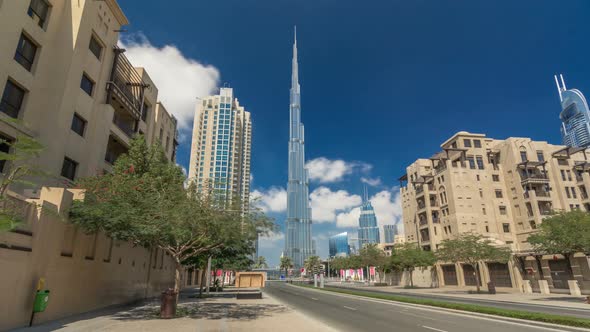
x: 368, y: 228
x: 298, y: 244
x: 575, y: 116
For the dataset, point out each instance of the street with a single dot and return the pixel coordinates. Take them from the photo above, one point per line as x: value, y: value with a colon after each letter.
x: 347, y: 313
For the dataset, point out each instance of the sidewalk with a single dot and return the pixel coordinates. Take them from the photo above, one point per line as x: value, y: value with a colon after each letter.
x: 222, y: 312
x: 508, y: 295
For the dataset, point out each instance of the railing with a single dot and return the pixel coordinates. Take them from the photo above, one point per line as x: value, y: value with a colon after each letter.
x: 435, y: 220
x: 579, y: 178
x: 545, y: 212
x: 126, y: 84
x: 430, y: 187
x: 543, y: 194
x: 423, y: 222
x: 421, y: 205
x: 433, y: 203
x: 125, y: 126
x: 419, y: 189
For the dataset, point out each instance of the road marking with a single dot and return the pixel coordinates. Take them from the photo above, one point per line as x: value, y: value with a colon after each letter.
x: 349, y: 308
x: 313, y: 298
x: 432, y: 328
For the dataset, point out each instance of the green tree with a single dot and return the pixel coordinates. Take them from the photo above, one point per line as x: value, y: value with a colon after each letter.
x: 409, y: 256
x: 471, y: 249
x: 371, y: 255
x: 144, y: 201
x: 312, y: 264
x: 286, y: 264
x: 565, y: 233
x: 260, y: 263
x: 19, y: 165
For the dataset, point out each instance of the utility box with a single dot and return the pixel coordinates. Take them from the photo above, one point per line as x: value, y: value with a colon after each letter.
x: 41, y: 300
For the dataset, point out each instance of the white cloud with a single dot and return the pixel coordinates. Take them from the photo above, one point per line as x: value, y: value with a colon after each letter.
x: 324, y: 170
x: 271, y: 240
x: 325, y: 203
x: 371, y: 182
x: 179, y: 79
x: 271, y: 200
x: 348, y: 219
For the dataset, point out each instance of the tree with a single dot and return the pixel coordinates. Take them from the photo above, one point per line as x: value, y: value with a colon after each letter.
x: 409, y: 256
x: 144, y: 201
x: 286, y: 264
x: 371, y: 255
x: 260, y: 263
x: 565, y: 233
x: 471, y: 249
x: 312, y: 264
x: 19, y: 164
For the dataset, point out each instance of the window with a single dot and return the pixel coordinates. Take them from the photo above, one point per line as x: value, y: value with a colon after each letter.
x: 25, y: 52
x: 502, y: 210
x: 483, y: 211
x: 87, y: 84
x: 4, y: 147
x: 477, y: 177
x: 479, y: 160
x: 523, y: 156
x: 454, y: 145
x: 506, y: 228
x: 78, y: 125
x: 567, y: 192
x: 563, y: 175
x: 471, y: 162
x: 540, y: 156
x: 574, y: 195
x: 476, y: 143
x: 562, y: 162
x: 496, y: 178
x: 498, y: 193
x: 145, y: 111
x: 12, y: 99
x: 68, y: 169
x: 467, y: 143
x: 95, y: 47
x: 487, y: 229
x: 38, y: 10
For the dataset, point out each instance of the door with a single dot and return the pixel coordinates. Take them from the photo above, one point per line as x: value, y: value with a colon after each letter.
x: 450, y: 275
x: 500, y: 275
x: 560, y: 273
x: 469, y: 275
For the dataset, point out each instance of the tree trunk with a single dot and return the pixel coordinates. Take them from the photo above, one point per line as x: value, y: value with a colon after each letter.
x: 476, y: 269
x: 202, y: 282
x: 177, y: 274
x: 411, y: 278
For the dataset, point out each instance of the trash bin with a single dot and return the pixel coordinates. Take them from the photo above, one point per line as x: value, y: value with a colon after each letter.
x: 168, y: 306
x: 491, y: 288
x: 41, y: 300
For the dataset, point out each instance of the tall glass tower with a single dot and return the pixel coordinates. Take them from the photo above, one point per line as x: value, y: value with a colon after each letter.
x: 338, y: 245
x: 575, y: 116
x: 298, y: 244
x: 368, y: 229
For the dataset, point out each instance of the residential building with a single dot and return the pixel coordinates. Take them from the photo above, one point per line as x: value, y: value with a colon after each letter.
x: 389, y: 233
x: 575, y: 115
x: 386, y: 247
x: 66, y: 83
x: 221, y: 147
x: 368, y: 231
x: 298, y: 239
x: 501, y: 189
x: 399, y: 239
x: 338, y: 245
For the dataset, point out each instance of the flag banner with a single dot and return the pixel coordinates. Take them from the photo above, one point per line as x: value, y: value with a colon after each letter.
x: 372, y: 271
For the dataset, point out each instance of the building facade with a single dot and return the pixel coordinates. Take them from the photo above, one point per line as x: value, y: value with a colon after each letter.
x: 338, y: 245
x: 574, y: 116
x: 221, y: 147
x: 368, y: 231
x: 389, y: 233
x: 298, y: 242
x: 66, y: 83
x: 501, y: 189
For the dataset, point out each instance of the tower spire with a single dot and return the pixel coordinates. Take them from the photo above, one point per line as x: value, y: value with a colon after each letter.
x: 295, y: 68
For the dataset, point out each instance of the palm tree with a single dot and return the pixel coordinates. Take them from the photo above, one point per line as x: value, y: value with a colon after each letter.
x: 312, y: 264
x: 286, y: 264
x: 260, y: 263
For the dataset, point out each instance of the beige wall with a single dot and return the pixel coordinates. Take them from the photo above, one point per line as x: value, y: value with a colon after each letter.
x: 53, y: 92
x: 82, y: 272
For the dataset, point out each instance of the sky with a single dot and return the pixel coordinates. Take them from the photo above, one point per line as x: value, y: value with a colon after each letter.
x: 383, y: 82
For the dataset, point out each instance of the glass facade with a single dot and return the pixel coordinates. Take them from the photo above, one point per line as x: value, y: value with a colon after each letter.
x: 389, y: 233
x: 338, y: 245
x: 575, y: 116
x: 368, y: 231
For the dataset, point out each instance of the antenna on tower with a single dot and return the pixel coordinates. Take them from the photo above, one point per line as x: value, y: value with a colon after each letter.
x: 558, y: 87
x: 365, y: 193
x: 562, y: 82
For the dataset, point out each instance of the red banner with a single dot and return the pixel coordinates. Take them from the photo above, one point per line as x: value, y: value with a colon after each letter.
x: 372, y: 270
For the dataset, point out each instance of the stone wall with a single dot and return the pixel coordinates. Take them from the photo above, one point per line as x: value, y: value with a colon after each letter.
x: 83, y: 272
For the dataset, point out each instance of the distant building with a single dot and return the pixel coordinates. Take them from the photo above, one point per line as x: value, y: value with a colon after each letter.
x: 352, y: 245
x: 399, y: 239
x: 575, y: 116
x: 338, y: 245
x: 368, y: 230
x: 389, y: 233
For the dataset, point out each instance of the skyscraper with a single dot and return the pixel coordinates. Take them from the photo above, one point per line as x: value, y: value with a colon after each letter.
x: 298, y: 244
x: 338, y: 245
x: 575, y: 116
x: 220, y: 151
x: 368, y: 229
x: 389, y: 233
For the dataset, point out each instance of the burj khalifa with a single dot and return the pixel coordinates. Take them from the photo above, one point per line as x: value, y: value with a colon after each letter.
x: 298, y: 244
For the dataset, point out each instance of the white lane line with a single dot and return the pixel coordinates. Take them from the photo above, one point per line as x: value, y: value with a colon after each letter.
x: 349, y: 308
x: 432, y: 328
x: 313, y: 298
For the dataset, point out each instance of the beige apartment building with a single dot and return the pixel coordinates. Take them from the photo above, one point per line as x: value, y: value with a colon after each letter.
x: 221, y: 146
x: 501, y: 189
x: 67, y: 83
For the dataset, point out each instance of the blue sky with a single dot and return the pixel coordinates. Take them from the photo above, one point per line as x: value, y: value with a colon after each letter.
x: 383, y: 82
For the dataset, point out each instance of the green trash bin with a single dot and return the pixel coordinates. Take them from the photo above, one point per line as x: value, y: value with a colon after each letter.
x: 41, y: 300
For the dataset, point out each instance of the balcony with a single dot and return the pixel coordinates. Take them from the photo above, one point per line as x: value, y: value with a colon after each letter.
x: 534, y: 178
x: 125, y: 122
x: 423, y: 222
x: 125, y: 89
x: 114, y: 149
x: 540, y: 194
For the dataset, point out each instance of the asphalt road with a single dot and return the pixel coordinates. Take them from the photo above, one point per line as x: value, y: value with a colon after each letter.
x: 348, y: 313
x: 543, y: 308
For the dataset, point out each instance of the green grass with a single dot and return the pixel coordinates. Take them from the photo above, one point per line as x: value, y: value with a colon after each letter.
x: 533, y: 316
